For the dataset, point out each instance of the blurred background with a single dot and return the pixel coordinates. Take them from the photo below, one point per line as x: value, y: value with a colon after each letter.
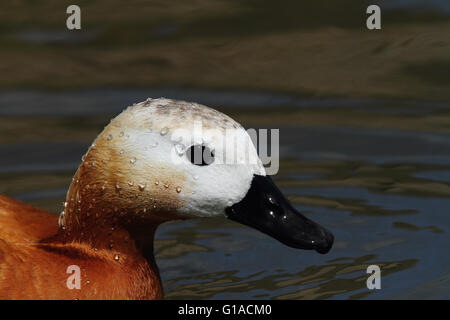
x: 364, y: 120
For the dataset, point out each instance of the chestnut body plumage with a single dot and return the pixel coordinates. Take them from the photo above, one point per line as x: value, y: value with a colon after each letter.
x: 34, y: 258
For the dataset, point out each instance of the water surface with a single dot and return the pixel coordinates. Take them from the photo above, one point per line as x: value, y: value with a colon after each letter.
x: 384, y: 191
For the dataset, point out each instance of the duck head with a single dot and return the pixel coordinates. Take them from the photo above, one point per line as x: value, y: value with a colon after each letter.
x: 163, y: 160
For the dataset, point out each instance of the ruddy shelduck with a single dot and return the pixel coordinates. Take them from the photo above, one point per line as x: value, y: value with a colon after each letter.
x: 157, y: 161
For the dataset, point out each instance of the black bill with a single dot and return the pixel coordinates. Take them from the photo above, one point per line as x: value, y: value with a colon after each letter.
x: 267, y: 210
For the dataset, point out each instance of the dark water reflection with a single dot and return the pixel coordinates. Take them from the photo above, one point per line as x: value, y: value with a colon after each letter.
x: 383, y: 188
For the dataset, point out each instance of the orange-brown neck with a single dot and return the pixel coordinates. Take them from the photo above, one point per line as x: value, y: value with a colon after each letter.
x: 112, y: 210
x: 100, y: 230
x: 104, y: 202
x: 107, y: 219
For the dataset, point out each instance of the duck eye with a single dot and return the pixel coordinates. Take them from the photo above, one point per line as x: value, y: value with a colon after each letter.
x: 200, y: 155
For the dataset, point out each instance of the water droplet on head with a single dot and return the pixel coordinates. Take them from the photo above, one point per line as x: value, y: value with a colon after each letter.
x: 116, y: 257
x: 94, y: 163
x: 179, y: 148
x: 118, y: 187
x: 109, y: 137
x: 166, y: 186
x: 142, y: 186
x: 164, y: 131
x: 196, y: 177
x: 121, y: 151
x: 133, y: 160
x: 61, y: 220
x: 83, y: 157
x: 157, y: 182
x: 178, y: 189
x: 154, y: 144
x: 121, y: 134
x: 130, y: 183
